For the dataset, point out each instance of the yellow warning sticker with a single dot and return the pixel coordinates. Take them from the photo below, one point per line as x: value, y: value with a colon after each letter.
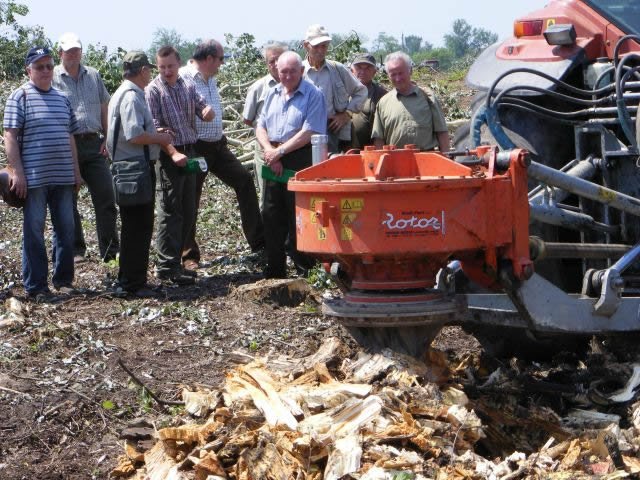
x: 313, y: 217
x: 550, y: 22
x: 346, y: 233
x: 348, y: 218
x: 312, y: 202
x: 322, y: 233
x: 352, y: 204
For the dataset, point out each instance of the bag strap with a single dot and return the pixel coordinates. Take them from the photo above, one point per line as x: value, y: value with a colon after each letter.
x: 116, y: 133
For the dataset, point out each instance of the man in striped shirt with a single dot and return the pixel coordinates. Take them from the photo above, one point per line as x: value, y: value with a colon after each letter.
x: 174, y: 105
x: 212, y: 145
x: 39, y: 126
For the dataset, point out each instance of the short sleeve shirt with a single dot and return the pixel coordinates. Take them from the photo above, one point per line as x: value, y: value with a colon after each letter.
x: 136, y: 119
x: 255, y: 98
x: 283, y: 117
x: 87, y: 95
x: 46, y: 120
x: 409, y: 119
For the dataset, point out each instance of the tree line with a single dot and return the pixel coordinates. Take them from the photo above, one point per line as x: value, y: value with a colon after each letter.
x: 461, y: 45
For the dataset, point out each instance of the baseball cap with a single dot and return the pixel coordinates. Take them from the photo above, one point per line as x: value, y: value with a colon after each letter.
x: 317, y: 34
x: 136, y: 59
x: 364, y: 58
x: 36, y: 53
x: 68, y: 41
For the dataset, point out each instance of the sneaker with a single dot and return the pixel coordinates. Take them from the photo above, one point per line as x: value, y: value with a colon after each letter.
x: 79, y: 259
x: 189, y: 273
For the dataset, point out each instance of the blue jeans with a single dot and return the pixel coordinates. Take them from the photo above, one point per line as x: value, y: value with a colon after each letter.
x: 59, y: 199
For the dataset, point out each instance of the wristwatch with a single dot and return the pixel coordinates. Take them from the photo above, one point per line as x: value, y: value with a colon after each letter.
x: 281, y: 151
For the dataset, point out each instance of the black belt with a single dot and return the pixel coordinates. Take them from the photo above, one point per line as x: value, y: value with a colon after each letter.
x: 87, y: 136
x: 276, y: 144
x: 186, y: 149
x: 214, y: 143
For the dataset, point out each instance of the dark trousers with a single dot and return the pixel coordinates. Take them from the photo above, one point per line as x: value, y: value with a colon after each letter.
x: 176, y: 214
x: 136, y: 233
x: 97, y: 176
x: 224, y: 165
x: 279, y: 216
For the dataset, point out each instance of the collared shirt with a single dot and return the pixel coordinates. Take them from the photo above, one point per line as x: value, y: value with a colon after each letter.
x: 87, y: 94
x: 175, y: 107
x: 46, y: 120
x: 304, y: 110
x: 342, y: 91
x: 362, y: 122
x: 207, y: 131
x: 128, y: 101
x: 255, y: 98
x: 409, y: 119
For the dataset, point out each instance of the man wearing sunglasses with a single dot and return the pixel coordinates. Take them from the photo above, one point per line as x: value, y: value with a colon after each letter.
x: 89, y: 99
x: 39, y: 126
x: 202, y: 69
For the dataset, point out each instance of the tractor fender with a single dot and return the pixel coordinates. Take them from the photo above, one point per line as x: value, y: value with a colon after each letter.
x: 488, y: 66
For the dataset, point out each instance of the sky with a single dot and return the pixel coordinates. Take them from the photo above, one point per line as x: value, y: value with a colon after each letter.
x: 130, y: 24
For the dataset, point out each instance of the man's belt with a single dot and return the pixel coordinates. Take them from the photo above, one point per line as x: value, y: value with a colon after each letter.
x: 86, y: 136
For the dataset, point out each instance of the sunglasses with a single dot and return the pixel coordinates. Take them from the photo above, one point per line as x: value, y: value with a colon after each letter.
x: 42, y: 67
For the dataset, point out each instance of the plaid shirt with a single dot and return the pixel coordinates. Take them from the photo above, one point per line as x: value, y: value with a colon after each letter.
x: 207, y: 131
x: 87, y: 95
x: 175, y: 107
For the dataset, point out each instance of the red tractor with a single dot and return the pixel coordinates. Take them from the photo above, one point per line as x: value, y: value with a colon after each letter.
x: 545, y: 226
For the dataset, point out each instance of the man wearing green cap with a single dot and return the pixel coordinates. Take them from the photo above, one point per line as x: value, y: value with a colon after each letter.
x: 136, y: 133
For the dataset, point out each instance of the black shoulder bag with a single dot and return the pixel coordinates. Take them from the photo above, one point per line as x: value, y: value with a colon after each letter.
x: 132, y: 177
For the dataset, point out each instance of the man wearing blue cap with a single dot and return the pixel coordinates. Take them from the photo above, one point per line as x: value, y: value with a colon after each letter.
x: 39, y: 125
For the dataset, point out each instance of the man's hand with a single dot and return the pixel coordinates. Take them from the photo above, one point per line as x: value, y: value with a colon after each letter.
x: 271, y: 155
x: 339, y: 120
x: 208, y: 113
x: 180, y: 159
x: 276, y: 167
x: 77, y: 180
x: 18, y: 183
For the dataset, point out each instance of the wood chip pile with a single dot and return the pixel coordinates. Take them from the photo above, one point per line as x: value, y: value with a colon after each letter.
x: 372, y: 417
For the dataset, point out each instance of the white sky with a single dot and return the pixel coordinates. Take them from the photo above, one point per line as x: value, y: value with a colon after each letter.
x: 131, y: 23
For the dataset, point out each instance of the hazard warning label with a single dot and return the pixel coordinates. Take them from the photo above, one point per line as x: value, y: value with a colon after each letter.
x: 352, y: 204
x: 322, y: 233
x: 346, y: 233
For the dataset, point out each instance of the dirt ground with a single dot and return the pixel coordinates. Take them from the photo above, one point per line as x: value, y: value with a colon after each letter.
x: 64, y: 397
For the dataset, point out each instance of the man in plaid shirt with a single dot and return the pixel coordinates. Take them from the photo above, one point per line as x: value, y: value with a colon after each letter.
x: 174, y: 105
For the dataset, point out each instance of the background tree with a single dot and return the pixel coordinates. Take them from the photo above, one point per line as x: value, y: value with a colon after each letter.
x: 384, y: 44
x: 166, y: 36
x: 467, y: 40
x: 413, y: 44
x: 16, y: 39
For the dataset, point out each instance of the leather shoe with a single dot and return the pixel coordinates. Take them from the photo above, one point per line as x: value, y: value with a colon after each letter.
x: 178, y: 279
x: 143, y: 292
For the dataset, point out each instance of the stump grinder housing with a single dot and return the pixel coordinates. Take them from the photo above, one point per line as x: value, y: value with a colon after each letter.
x: 536, y: 211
